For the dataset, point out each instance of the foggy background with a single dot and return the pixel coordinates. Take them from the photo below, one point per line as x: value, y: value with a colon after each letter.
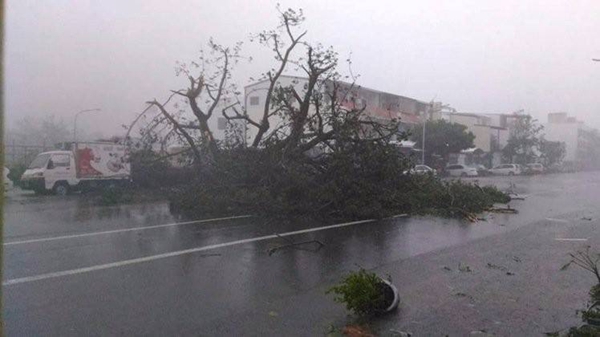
x: 478, y: 56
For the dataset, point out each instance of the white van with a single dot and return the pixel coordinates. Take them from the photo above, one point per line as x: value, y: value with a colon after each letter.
x: 86, y: 166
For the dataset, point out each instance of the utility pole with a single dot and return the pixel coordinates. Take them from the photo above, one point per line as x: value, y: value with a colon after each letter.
x: 425, y: 115
x: 423, y: 140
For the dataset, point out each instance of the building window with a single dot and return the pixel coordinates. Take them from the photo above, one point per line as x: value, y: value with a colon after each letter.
x: 222, y: 123
x: 254, y: 100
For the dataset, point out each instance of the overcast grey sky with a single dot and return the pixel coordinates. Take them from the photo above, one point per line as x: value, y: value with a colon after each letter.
x: 478, y: 56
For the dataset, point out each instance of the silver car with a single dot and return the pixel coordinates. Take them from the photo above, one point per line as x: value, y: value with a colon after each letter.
x: 506, y: 170
x: 458, y: 170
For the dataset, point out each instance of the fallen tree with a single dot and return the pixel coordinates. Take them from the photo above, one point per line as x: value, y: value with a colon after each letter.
x: 363, y: 183
x: 326, y: 156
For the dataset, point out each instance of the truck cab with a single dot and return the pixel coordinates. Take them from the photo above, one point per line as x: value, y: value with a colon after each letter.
x: 51, y: 171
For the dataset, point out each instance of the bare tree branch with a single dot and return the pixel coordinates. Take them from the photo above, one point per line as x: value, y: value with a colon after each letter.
x: 142, y: 114
x: 177, y: 126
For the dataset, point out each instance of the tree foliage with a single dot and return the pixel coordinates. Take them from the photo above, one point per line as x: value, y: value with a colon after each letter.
x: 524, y: 141
x: 44, y: 131
x: 442, y: 138
x: 361, y: 292
x: 551, y: 153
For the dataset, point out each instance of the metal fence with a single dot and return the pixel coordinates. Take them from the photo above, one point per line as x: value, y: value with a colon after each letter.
x: 17, y: 154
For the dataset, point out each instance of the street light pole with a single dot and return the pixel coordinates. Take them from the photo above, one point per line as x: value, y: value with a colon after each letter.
x: 423, y: 141
x: 75, y: 122
x: 425, y: 114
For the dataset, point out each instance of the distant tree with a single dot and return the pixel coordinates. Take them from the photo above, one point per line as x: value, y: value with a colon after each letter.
x: 42, y: 131
x: 442, y: 138
x: 523, y: 145
x: 551, y: 153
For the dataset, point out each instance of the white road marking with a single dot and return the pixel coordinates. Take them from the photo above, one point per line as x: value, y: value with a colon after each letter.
x: 557, y: 220
x: 64, y: 237
x: 570, y: 239
x: 171, y: 254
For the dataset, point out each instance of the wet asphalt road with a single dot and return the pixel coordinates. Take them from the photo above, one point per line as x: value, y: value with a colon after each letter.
x: 73, y: 268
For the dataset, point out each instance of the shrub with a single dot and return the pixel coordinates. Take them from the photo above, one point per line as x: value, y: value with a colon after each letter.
x: 361, y: 292
x: 591, y: 315
x: 16, y: 171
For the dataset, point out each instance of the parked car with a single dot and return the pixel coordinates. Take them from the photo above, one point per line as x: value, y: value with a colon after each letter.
x: 422, y: 169
x: 535, y: 168
x: 8, y: 184
x: 458, y: 170
x: 506, y: 170
x: 482, y: 171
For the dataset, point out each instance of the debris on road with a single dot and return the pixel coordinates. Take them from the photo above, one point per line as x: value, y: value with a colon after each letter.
x: 357, y: 331
x: 516, y: 259
x: 501, y: 268
x: 507, y: 210
x: 209, y: 255
x: 586, y: 218
x: 398, y: 333
x: 446, y: 268
x: 494, y: 266
x: 464, y: 295
x: 296, y: 245
x: 464, y: 268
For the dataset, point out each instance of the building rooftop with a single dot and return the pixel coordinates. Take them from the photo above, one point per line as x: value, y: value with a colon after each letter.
x: 343, y: 82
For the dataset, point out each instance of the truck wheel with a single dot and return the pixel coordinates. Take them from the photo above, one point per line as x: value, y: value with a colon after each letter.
x: 511, y: 173
x: 61, y: 189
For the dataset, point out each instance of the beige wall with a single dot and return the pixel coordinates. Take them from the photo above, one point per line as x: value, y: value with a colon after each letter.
x: 467, y: 121
x: 564, y: 132
x: 482, y: 137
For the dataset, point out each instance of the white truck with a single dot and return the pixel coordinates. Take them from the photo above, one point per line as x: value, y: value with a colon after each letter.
x: 79, y: 166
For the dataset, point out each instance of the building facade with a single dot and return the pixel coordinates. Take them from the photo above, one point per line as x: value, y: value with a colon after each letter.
x: 581, y: 141
x: 491, y: 135
x: 379, y: 106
